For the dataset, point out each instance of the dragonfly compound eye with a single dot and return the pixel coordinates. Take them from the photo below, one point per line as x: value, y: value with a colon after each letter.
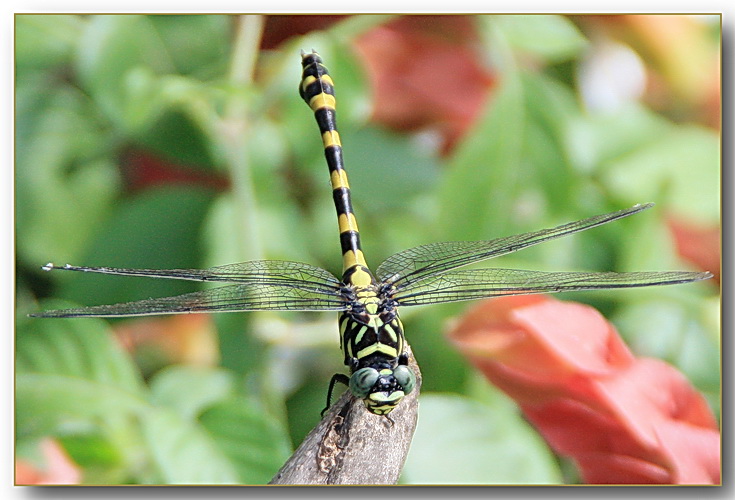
x: 405, y: 376
x: 362, y: 382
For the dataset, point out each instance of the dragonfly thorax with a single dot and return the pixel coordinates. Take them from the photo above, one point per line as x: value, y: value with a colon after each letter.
x: 369, y: 302
x: 371, y: 309
x: 373, y: 345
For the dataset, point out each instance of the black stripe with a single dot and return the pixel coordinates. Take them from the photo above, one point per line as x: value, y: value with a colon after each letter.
x: 326, y: 118
x: 315, y: 88
x: 348, y: 338
x: 350, y: 240
x: 334, y: 158
x: 342, y: 201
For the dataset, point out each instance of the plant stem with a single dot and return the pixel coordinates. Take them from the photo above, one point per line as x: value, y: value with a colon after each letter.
x: 235, y: 129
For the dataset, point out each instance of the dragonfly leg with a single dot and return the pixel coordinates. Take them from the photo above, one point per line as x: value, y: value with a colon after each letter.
x: 337, y: 377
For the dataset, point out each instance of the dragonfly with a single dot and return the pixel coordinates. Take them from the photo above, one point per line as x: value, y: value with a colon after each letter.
x: 372, y: 337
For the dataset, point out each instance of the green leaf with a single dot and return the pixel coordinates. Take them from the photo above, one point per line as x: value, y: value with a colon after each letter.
x: 74, y: 348
x: 461, y: 441
x: 204, y: 55
x: 256, y: 445
x: 45, y: 40
x: 157, y: 229
x: 173, y: 134
x: 71, y: 371
x: 131, y: 66
x: 182, y: 452
x: 64, y: 185
x: 594, y: 139
x: 110, y: 47
x: 91, y: 450
x: 681, y: 168
x: 74, y: 381
x: 375, y: 155
x: 550, y: 107
x: 549, y: 37
x: 48, y: 403
x: 486, y: 168
x: 188, y: 390
x: 659, y: 252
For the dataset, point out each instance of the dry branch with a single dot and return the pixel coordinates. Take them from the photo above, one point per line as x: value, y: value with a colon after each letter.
x: 352, y: 446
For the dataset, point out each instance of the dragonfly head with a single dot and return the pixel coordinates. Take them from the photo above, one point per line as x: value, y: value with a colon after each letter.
x: 382, y: 390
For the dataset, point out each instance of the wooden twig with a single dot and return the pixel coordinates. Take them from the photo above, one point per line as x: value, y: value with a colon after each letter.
x: 352, y: 446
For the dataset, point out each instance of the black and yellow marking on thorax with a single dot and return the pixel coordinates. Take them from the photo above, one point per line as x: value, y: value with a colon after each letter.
x: 317, y: 90
x: 371, y: 336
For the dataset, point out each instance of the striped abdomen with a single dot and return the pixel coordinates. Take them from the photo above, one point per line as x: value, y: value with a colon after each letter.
x: 317, y: 89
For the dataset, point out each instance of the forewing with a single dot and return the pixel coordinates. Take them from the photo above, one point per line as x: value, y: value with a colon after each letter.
x: 415, y: 264
x: 256, y: 271
x: 261, y: 286
x: 474, y: 284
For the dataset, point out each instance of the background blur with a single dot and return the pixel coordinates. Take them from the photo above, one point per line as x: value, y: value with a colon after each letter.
x: 181, y: 142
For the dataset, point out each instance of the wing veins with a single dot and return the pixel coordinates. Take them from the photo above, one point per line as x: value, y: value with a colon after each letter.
x: 268, y: 272
x: 485, y: 283
x: 415, y: 264
x: 231, y: 298
x: 259, y: 286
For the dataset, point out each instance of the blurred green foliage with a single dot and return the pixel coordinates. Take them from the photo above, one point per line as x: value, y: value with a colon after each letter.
x: 90, y: 89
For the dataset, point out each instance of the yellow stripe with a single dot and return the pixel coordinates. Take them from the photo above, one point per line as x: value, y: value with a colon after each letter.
x: 343, y: 325
x: 351, y: 259
x: 399, y: 338
x: 359, y: 335
x: 311, y: 79
x: 347, y: 222
x: 339, y: 179
x: 391, y: 333
x: 322, y: 101
x: 385, y: 349
x: 359, y: 278
x: 307, y: 81
x: 379, y: 397
x: 331, y: 138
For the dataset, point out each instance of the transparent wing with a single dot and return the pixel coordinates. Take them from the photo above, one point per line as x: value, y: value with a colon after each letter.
x: 225, y: 299
x: 415, y: 264
x: 473, y: 284
x: 256, y: 271
x: 261, y: 285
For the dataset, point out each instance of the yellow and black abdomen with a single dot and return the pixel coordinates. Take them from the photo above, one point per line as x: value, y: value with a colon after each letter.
x: 372, y: 334
x: 317, y: 90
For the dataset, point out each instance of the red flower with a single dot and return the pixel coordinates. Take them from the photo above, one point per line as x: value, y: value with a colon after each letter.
x: 426, y: 74
x: 621, y: 419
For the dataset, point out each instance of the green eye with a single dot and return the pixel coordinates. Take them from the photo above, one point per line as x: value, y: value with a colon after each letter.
x: 362, y: 381
x: 405, y: 376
